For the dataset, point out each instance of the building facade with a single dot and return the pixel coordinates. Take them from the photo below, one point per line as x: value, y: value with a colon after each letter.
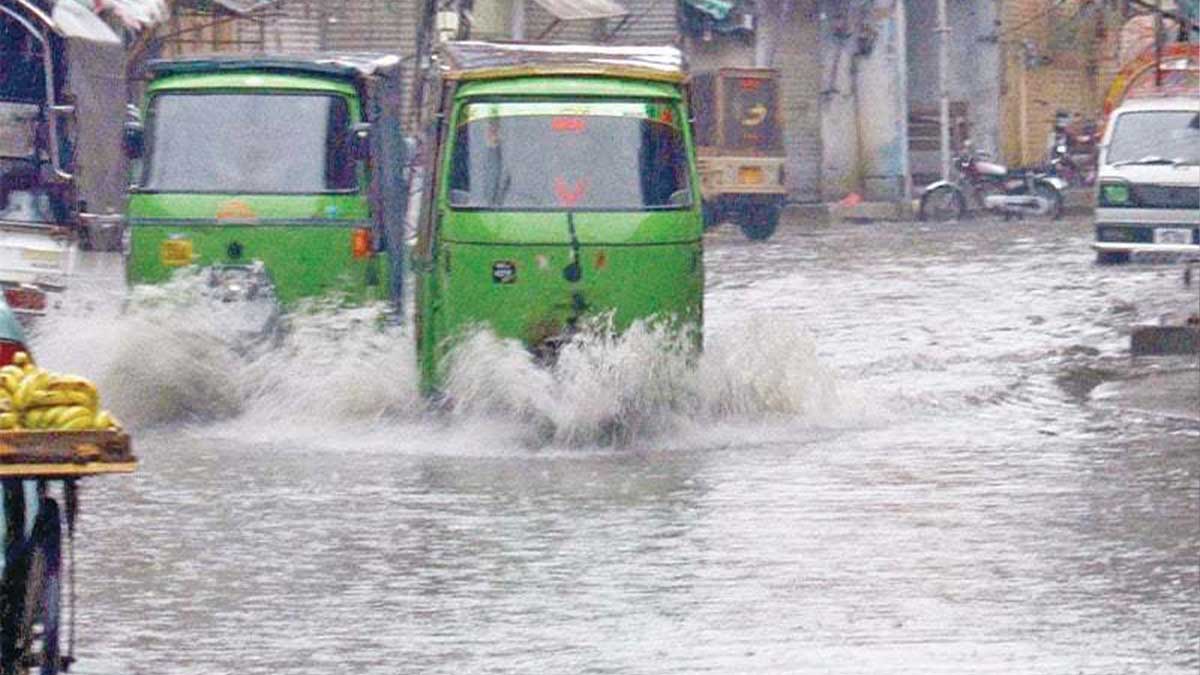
x: 859, y: 78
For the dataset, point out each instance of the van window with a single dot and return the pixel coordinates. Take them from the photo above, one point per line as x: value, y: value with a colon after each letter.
x: 569, y: 155
x: 1156, y: 135
x: 248, y: 143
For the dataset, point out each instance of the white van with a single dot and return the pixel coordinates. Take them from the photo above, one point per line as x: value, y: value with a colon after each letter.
x: 1148, y: 183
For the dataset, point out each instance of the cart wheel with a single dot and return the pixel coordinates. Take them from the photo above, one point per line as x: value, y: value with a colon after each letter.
x: 759, y: 221
x: 43, y: 593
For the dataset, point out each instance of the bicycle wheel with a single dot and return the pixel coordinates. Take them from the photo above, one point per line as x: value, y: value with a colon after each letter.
x: 39, y: 637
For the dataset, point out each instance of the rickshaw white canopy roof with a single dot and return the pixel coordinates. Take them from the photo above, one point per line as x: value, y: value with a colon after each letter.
x: 472, y: 60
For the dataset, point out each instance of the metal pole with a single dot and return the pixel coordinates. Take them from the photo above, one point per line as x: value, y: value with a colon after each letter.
x: 1023, y: 112
x: 518, y: 19
x: 943, y: 31
x: 1158, y: 44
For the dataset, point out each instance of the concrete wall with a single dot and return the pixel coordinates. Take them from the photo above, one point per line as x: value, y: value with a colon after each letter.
x: 796, y: 53
x: 1047, y: 69
x: 864, y: 104
x: 975, y: 74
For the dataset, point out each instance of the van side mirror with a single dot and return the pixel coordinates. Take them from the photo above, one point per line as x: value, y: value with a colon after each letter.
x: 360, y: 140
x: 134, y: 141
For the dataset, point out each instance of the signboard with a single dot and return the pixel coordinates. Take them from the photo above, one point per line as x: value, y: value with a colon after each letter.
x: 751, y: 109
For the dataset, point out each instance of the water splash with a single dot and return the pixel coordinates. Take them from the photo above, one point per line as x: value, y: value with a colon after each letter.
x: 613, y: 389
x: 172, y: 355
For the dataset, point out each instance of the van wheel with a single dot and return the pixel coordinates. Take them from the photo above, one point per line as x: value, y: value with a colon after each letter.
x: 759, y: 221
x: 1112, y: 257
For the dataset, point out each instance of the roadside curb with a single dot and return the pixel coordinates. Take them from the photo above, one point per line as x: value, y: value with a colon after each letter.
x: 1076, y: 202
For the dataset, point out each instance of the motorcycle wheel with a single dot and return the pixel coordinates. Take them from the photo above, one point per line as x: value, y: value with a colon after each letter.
x: 942, y: 204
x: 1050, y: 193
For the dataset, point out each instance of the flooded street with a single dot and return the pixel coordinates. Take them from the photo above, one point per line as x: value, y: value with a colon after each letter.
x: 907, y: 449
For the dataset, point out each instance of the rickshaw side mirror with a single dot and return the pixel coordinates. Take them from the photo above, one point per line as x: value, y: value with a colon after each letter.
x: 134, y: 141
x: 360, y: 141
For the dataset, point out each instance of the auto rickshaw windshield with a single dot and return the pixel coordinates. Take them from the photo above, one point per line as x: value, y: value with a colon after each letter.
x: 234, y: 143
x: 552, y: 155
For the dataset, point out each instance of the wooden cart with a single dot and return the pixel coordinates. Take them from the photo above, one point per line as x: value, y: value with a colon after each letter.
x: 64, y: 454
x: 38, y: 470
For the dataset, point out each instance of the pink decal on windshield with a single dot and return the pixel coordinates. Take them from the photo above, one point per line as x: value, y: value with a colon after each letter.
x: 569, y: 195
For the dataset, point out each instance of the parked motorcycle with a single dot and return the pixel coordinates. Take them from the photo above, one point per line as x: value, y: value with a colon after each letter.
x: 1073, y: 151
x: 985, y: 185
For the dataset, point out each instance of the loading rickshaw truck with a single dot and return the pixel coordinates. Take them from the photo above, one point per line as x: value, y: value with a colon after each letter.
x: 62, y: 110
x: 739, y: 136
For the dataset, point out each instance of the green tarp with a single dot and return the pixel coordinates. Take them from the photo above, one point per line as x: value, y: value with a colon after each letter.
x: 717, y: 9
x: 1190, y: 9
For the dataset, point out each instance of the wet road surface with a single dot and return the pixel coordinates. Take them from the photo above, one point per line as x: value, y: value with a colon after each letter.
x: 908, y: 449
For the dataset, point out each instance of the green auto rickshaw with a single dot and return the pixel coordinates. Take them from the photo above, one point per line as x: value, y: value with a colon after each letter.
x: 559, y: 184
x: 276, y: 172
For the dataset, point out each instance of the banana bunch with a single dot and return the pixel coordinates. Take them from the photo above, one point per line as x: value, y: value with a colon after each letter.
x: 33, y: 398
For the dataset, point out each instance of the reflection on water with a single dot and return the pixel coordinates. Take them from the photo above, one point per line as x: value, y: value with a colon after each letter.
x: 904, y: 450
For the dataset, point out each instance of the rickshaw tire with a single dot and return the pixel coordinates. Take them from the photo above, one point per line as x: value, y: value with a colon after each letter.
x: 760, y: 221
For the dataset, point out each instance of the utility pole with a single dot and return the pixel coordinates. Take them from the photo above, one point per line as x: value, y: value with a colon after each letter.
x: 429, y: 29
x: 517, y: 25
x: 943, y: 31
x: 1158, y: 44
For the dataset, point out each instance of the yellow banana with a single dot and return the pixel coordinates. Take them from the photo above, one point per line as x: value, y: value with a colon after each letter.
x: 72, y: 383
x: 10, y: 420
x: 34, y: 381
x: 71, y: 413
x: 48, y: 417
x: 33, y: 419
x: 10, y: 381
x: 55, y: 417
x: 21, y: 359
x: 105, y: 420
x: 47, y: 398
x: 80, y: 422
